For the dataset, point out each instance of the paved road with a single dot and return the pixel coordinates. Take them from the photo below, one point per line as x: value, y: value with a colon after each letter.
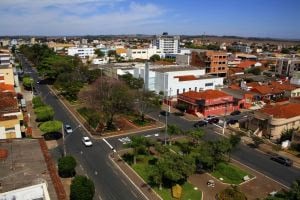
x: 244, y: 154
x: 110, y: 184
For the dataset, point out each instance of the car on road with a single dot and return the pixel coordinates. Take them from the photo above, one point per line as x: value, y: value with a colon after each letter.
x: 232, y: 121
x: 212, y: 119
x: 236, y: 112
x: 86, y: 141
x: 200, y: 124
x: 282, y: 160
x: 68, y: 129
x: 125, y: 140
x: 164, y: 113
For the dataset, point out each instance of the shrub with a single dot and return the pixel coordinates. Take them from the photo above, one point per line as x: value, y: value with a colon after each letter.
x: 66, y: 166
x: 231, y: 193
x: 51, y: 126
x: 37, y: 102
x: 82, y: 188
x: 44, y: 113
x: 27, y: 82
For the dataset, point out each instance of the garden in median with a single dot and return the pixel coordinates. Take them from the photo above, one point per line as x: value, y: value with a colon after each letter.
x: 229, y: 173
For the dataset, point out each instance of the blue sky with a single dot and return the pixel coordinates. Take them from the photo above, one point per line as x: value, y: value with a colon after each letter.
x: 259, y: 18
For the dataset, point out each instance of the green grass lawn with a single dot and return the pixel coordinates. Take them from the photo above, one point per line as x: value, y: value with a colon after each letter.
x: 230, y: 173
x: 188, y: 189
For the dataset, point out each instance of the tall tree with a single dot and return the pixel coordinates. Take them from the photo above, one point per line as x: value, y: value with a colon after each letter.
x: 173, y: 130
x: 82, y: 188
x: 196, y: 134
x: 99, y: 53
x: 110, y: 97
x: 147, y: 101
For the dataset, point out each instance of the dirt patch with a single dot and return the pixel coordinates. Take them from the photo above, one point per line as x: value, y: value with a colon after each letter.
x: 67, y: 183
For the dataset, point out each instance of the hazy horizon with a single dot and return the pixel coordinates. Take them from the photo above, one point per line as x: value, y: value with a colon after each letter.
x: 273, y: 19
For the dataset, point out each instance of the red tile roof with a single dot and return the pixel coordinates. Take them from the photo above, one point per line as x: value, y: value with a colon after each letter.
x: 246, y: 64
x: 283, y: 86
x: 283, y: 111
x: 6, y: 87
x: 266, y: 89
x: 207, y: 94
x: 186, y: 78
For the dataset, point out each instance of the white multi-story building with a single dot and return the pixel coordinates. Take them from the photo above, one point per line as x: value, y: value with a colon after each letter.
x: 167, y: 43
x: 288, y: 66
x: 82, y: 52
x: 176, y: 79
x: 144, y: 53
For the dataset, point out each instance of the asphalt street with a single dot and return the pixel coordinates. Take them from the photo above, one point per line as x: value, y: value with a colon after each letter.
x: 109, y: 182
x: 243, y: 153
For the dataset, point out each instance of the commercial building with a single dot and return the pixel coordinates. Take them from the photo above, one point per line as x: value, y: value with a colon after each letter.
x: 242, y: 48
x: 287, y: 66
x: 82, y: 52
x: 296, y: 78
x: 209, y: 102
x: 144, y: 53
x: 168, y: 44
x: 272, y: 120
x: 4, y: 59
x: 173, y: 80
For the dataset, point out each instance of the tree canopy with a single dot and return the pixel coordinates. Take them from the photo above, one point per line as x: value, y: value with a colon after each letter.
x: 82, y: 188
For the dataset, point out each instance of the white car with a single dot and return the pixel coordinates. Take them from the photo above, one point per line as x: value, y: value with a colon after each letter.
x: 87, y: 142
x: 125, y: 140
x: 68, y: 129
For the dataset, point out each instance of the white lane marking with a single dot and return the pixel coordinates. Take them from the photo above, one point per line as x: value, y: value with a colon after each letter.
x: 133, y: 194
x: 111, y: 147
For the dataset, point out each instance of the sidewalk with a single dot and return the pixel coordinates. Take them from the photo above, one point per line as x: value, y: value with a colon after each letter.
x: 256, y: 188
x: 187, y: 116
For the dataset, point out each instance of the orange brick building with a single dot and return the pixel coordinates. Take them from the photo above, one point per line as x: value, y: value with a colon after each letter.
x: 215, y: 62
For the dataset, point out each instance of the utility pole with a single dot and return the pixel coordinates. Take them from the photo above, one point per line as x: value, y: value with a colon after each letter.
x: 167, y: 113
x: 224, y: 120
x: 63, y: 138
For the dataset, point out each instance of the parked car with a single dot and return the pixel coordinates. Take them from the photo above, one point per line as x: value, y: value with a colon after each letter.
x: 282, y: 160
x: 232, y: 121
x: 236, y: 112
x: 164, y: 113
x: 87, y: 142
x: 200, y: 124
x: 212, y: 119
x: 68, y: 129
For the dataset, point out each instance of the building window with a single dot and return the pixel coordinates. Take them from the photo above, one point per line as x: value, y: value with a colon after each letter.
x: 183, y: 90
x: 209, y: 84
x: 177, y: 91
x: 196, y: 89
x: 190, y: 89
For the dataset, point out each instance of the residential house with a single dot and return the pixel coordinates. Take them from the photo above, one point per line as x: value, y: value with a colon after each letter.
x: 11, y: 117
x: 272, y: 120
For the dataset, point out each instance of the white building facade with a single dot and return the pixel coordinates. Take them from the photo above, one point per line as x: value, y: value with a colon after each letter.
x: 177, y: 79
x: 144, y: 53
x: 167, y: 43
x: 82, y: 52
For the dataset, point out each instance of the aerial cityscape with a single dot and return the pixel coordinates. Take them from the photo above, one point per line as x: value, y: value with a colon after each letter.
x: 149, y: 100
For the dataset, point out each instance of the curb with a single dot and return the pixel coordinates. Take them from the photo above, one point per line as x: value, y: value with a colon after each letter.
x: 100, y: 137
x: 130, y: 179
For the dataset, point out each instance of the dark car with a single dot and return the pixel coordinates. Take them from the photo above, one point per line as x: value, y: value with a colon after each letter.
x: 236, y: 112
x: 164, y: 113
x: 232, y: 121
x: 214, y: 120
x: 282, y: 160
x: 200, y: 124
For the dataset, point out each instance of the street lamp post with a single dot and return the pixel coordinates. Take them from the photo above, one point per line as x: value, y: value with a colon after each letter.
x: 224, y: 119
x: 167, y: 113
